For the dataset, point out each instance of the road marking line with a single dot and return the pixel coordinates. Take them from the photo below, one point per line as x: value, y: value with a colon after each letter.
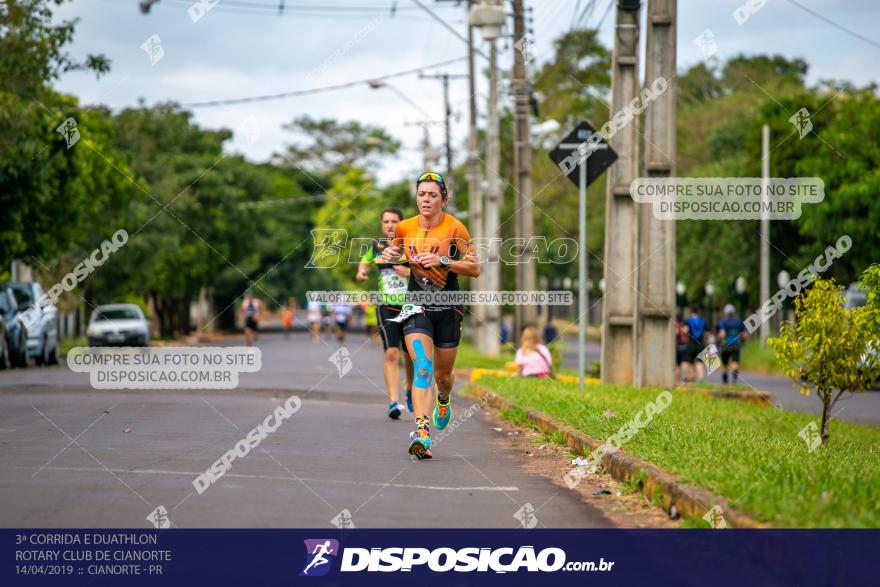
x: 280, y: 478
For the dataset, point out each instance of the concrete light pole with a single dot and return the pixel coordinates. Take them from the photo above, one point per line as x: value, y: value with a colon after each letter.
x: 489, y: 17
x: 621, y: 218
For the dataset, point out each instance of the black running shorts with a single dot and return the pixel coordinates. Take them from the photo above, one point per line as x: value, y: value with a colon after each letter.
x: 391, y: 332
x: 443, y: 326
x: 729, y: 354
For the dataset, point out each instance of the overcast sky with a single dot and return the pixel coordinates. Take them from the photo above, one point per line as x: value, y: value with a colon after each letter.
x: 245, y: 48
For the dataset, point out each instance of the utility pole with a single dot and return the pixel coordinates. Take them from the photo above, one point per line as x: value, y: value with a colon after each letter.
x: 621, y: 219
x: 445, y: 77
x: 475, y: 189
x: 492, y: 267
x: 655, y: 326
x: 522, y: 161
x: 430, y: 155
x: 489, y: 16
x: 765, y: 226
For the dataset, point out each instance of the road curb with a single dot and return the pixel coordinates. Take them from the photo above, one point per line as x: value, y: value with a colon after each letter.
x: 651, y: 480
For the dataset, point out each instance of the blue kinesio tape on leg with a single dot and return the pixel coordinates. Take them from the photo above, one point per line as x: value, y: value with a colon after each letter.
x: 424, y: 368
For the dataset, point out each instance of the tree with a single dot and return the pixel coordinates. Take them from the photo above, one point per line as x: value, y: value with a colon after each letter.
x: 829, y: 347
x: 331, y: 145
x: 33, y: 48
x: 844, y: 150
x: 46, y: 186
x: 354, y: 204
x: 720, y: 114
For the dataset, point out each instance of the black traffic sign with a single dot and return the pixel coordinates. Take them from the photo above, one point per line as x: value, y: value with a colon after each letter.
x: 567, y: 157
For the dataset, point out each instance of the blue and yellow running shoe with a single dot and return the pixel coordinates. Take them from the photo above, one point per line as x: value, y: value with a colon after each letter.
x: 442, y: 413
x: 409, y: 400
x: 420, y: 444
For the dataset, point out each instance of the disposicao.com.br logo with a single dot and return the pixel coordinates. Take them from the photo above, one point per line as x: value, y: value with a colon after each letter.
x: 441, y: 560
x: 317, y: 552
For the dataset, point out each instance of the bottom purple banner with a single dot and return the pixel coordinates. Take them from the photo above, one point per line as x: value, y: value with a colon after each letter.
x: 503, y: 557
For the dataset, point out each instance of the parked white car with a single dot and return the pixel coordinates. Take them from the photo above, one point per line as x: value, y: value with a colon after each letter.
x: 118, y: 325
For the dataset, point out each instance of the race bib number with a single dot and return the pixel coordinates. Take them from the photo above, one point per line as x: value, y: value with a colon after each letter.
x: 392, y: 283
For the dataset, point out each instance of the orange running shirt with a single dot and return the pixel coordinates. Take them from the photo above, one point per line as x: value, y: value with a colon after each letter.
x: 450, y: 238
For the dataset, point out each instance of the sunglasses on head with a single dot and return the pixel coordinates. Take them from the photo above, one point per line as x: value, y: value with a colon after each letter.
x: 431, y: 176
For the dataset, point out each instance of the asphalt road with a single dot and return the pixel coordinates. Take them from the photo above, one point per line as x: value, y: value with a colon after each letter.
x: 73, y: 456
x: 863, y: 408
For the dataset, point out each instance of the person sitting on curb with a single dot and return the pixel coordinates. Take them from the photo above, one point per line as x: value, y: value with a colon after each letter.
x: 533, y: 359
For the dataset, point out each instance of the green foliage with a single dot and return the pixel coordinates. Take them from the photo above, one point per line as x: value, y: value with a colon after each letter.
x: 332, y: 145
x: 33, y: 48
x: 720, y: 116
x: 49, y: 193
x: 870, y: 284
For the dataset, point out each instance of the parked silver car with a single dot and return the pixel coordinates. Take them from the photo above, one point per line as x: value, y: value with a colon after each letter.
x: 118, y: 325
x: 41, y: 318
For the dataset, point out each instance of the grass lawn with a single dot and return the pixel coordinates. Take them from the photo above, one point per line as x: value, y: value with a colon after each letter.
x: 749, y: 454
x: 760, y: 359
x: 469, y: 358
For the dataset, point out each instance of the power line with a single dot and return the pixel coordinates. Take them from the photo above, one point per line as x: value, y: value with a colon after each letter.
x: 835, y: 25
x: 587, y: 13
x: 299, y: 11
x: 447, y: 26
x: 574, y: 15
x: 320, y: 89
x: 604, y: 16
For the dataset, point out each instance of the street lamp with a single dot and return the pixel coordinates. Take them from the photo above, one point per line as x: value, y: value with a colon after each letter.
x: 679, y: 295
x: 710, y: 291
x: 783, y: 278
x: 378, y: 84
x: 566, y: 284
x: 740, y: 287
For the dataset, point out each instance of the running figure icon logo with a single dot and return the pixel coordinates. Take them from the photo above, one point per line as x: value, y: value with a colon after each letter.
x: 317, y: 552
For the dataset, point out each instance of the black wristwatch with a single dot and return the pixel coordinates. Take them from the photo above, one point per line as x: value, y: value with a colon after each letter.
x: 444, y: 261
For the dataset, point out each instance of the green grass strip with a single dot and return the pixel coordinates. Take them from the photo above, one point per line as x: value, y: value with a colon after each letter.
x: 749, y: 454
